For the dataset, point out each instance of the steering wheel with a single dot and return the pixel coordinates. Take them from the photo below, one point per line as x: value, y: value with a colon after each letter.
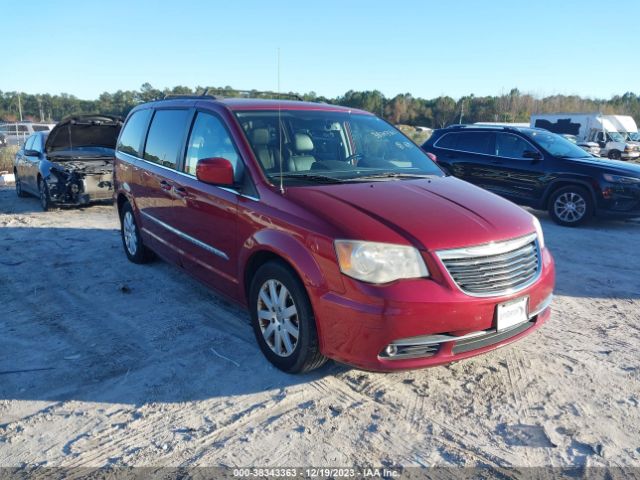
x: 354, y: 159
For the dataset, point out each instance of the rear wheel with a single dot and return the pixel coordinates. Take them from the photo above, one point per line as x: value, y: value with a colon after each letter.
x: 45, y: 199
x: 283, y: 320
x: 570, y: 206
x: 19, y: 191
x: 136, y: 251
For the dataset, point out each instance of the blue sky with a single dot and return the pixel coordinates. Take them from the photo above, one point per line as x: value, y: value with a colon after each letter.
x: 427, y: 48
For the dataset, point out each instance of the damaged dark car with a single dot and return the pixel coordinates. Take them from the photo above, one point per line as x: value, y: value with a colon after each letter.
x: 70, y: 165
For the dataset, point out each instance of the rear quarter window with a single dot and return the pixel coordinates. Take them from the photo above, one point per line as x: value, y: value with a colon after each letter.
x: 133, y: 133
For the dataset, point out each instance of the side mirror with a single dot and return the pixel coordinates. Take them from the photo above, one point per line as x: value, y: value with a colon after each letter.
x: 532, y: 154
x: 216, y: 171
x: 32, y: 153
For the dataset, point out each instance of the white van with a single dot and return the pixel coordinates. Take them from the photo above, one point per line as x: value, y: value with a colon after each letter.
x: 17, y: 133
x: 610, y: 132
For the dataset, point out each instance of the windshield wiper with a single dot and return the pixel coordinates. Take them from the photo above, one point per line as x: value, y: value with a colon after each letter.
x: 394, y: 175
x: 311, y: 177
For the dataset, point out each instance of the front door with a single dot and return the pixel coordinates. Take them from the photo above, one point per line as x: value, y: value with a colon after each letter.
x: 206, y: 214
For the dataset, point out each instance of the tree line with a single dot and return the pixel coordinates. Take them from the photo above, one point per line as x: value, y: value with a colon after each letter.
x: 401, y: 109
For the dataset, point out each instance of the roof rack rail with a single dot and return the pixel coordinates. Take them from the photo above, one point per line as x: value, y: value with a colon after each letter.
x: 171, y: 96
x: 256, y: 94
x: 472, y: 125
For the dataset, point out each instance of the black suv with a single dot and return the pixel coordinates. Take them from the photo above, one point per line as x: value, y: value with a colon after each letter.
x: 534, y: 167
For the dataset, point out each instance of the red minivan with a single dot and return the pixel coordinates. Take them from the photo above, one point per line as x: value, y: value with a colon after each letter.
x: 343, y: 238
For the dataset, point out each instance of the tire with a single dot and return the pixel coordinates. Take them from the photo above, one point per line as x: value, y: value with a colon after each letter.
x: 45, y: 199
x: 19, y: 191
x: 277, y: 314
x: 571, y: 206
x: 614, y: 155
x: 134, y: 248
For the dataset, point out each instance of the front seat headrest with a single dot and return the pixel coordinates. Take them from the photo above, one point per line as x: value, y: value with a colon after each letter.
x: 260, y: 136
x: 303, y: 143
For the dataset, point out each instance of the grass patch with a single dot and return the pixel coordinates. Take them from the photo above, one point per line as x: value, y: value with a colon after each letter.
x: 7, y: 154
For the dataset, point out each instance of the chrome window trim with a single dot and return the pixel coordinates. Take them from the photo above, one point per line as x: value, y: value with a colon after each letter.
x: 193, y: 177
x: 189, y: 238
x: 488, y: 249
x: 435, y: 145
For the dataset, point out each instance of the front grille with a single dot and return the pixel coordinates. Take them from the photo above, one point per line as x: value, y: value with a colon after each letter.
x: 494, y: 269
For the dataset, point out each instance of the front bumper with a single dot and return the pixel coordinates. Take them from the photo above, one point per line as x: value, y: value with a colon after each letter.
x: 75, y: 190
x: 356, y: 327
x: 619, y: 200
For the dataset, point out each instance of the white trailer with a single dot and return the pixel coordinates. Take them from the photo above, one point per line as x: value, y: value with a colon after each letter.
x: 610, y: 132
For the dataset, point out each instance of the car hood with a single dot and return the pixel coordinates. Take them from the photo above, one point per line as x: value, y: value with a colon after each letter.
x: 431, y: 214
x: 621, y: 167
x: 84, y: 131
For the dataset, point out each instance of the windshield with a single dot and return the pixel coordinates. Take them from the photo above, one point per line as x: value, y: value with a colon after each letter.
x: 332, y: 146
x: 556, y: 145
x: 634, y: 136
x: 616, y: 136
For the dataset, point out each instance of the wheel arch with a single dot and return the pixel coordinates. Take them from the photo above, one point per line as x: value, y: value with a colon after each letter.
x: 567, y: 182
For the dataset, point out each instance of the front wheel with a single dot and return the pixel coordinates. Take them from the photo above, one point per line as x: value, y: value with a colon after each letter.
x: 19, y: 191
x: 283, y: 320
x: 570, y: 206
x: 45, y: 199
x: 614, y: 155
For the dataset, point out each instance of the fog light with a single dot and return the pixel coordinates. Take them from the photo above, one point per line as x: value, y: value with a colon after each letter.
x: 391, y: 350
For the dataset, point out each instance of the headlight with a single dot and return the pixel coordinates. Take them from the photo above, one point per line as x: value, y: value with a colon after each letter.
x: 620, y: 179
x: 379, y: 262
x: 538, y: 227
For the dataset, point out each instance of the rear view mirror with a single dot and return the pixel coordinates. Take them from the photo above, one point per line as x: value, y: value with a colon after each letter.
x: 216, y: 171
x: 32, y: 153
x: 532, y: 154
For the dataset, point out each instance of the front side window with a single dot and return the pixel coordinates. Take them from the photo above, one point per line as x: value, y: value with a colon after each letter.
x: 166, y: 135
x: 130, y: 140
x: 29, y: 143
x: 512, y: 146
x: 312, y: 146
x: 37, y: 143
x: 555, y: 144
x: 209, y: 138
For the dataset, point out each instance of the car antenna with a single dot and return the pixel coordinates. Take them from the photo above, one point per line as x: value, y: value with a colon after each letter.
x: 280, y: 128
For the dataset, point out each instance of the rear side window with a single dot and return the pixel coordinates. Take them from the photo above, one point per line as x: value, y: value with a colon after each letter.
x: 473, y: 142
x: 166, y: 135
x: 133, y: 133
x: 511, y: 146
x: 209, y: 138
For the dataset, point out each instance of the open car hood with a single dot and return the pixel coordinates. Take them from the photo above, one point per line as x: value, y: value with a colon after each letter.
x: 84, y: 131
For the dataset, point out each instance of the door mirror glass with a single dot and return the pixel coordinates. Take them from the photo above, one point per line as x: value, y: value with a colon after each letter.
x: 215, y: 170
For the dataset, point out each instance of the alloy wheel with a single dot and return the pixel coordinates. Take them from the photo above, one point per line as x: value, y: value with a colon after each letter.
x: 278, y: 318
x: 570, y: 207
x: 130, y: 234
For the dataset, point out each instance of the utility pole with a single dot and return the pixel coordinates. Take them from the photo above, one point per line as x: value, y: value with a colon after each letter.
x: 19, y: 106
x: 461, y: 111
x: 40, y: 108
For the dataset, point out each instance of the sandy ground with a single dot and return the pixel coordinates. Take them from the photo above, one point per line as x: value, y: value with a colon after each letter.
x: 103, y: 362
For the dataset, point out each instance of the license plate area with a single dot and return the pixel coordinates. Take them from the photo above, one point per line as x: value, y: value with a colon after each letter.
x: 512, y: 313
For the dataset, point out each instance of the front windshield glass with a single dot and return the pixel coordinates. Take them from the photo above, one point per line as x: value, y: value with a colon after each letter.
x: 313, y: 146
x: 556, y: 145
x: 634, y: 136
x: 616, y: 136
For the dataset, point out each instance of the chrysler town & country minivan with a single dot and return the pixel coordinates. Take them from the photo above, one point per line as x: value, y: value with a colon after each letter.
x: 342, y: 238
